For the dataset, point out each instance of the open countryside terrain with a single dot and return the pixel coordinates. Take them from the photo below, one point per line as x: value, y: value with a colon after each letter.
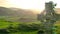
x: 20, y: 21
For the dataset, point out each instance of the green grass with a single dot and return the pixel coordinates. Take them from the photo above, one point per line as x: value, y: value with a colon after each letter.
x: 24, y: 32
x: 5, y: 24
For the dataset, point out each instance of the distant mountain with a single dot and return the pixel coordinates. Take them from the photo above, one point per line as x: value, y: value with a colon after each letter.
x: 4, y: 11
x: 57, y: 10
x: 16, y: 13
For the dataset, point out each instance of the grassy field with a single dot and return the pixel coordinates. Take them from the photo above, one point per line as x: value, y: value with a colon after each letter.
x: 12, y: 27
x: 23, y: 32
x: 5, y: 24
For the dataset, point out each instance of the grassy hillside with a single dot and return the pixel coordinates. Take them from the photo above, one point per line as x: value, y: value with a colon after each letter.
x: 11, y: 22
x: 16, y: 13
x: 23, y: 28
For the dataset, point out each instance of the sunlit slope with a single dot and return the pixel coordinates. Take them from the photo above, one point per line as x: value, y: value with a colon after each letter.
x: 57, y: 10
x: 16, y: 13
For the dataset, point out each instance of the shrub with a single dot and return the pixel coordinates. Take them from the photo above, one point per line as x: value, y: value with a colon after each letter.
x: 4, y: 31
x: 28, y: 27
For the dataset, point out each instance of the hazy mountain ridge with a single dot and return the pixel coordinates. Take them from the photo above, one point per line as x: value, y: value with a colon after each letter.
x: 57, y: 10
x: 14, y: 12
x: 17, y: 13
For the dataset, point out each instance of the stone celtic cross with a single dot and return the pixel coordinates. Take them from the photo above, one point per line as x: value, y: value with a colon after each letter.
x: 48, y: 18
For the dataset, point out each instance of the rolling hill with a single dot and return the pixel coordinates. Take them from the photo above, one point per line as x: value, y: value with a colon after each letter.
x: 16, y: 13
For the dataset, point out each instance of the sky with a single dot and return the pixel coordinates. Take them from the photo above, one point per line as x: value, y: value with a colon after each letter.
x: 27, y: 4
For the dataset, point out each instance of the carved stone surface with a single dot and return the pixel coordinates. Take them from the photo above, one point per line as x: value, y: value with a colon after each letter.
x: 48, y: 18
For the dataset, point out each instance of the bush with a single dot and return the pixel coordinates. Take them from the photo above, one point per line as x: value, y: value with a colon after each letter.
x: 11, y: 28
x: 4, y: 31
x: 28, y: 27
